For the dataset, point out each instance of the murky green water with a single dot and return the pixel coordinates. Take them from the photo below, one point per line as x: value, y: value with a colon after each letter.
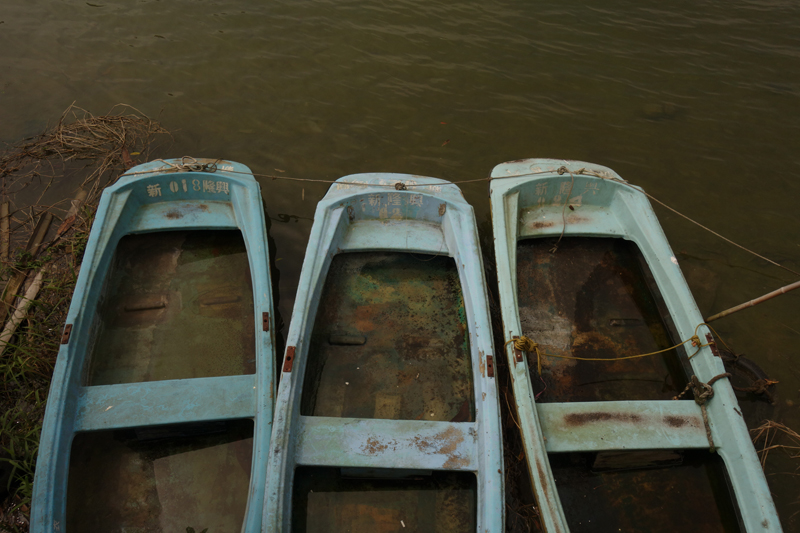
x: 695, y: 101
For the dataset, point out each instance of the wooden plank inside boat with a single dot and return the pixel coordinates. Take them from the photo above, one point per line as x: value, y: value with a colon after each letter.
x: 591, y: 299
x: 390, y: 341
x: 177, y: 305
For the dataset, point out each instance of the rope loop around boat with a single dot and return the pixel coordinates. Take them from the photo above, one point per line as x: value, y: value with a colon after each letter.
x: 526, y: 344
x: 703, y: 392
x: 190, y: 164
x: 561, y: 170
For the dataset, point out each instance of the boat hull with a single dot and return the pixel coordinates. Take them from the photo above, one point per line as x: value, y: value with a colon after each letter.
x: 172, y: 256
x: 388, y: 375
x: 540, y: 209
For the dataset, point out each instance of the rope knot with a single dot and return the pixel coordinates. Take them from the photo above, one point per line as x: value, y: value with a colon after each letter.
x: 703, y: 392
x: 190, y: 164
x: 696, y: 341
x: 525, y: 344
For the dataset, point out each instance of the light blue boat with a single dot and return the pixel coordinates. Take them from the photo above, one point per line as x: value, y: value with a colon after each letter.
x: 160, y: 409
x: 387, y: 416
x: 586, y: 272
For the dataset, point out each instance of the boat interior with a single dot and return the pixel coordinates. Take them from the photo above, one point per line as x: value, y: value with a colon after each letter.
x: 175, y: 305
x: 390, y: 342
x: 164, y: 478
x: 331, y: 499
x: 595, y: 298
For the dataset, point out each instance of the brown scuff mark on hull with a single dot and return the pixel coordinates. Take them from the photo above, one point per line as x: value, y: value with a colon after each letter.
x: 456, y: 461
x: 675, y: 421
x: 580, y: 419
x: 545, y: 499
x: 373, y: 447
x: 179, y: 212
x: 542, y: 225
x: 421, y: 444
x: 577, y: 219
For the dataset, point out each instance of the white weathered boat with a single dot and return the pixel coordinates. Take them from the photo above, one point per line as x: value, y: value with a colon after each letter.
x: 160, y: 408
x: 586, y: 272
x: 387, y: 416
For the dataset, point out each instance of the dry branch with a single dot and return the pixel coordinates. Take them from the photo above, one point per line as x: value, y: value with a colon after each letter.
x: 21, y: 311
x: 102, y: 142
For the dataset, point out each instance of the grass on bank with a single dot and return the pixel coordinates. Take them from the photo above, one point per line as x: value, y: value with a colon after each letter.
x: 26, y: 368
x: 82, y: 148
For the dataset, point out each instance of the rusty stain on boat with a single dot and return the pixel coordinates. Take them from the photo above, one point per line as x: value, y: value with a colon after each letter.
x: 677, y: 421
x: 186, y: 209
x: 373, y: 446
x: 446, y: 443
x: 579, y: 419
x: 541, y: 225
x: 546, y: 499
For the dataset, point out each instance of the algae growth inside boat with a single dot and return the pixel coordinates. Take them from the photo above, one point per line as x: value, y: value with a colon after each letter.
x: 595, y: 298
x: 331, y: 499
x: 175, y: 305
x: 160, y: 479
x: 390, y: 341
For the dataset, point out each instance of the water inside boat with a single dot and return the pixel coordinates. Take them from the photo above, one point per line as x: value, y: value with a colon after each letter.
x: 596, y: 298
x: 690, y: 496
x: 175, y: 305
x: 390, y: 341
x: 163, y: 479
x: 330, y: 500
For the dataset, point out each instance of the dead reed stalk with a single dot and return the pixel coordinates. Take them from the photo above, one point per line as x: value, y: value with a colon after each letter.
x: 105, y: 143
x: 773, y: 435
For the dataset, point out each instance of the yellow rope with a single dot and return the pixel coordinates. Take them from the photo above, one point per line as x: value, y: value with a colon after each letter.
x: 525, y: 344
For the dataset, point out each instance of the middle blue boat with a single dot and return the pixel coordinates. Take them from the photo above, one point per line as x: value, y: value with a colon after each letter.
x: 387, y: 416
